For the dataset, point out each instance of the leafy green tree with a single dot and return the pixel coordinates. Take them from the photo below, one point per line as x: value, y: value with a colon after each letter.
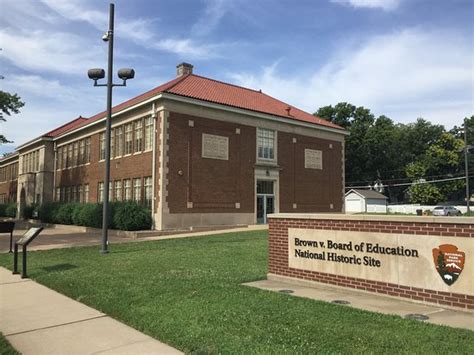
x: 421, y: 192
x: 9, y: 103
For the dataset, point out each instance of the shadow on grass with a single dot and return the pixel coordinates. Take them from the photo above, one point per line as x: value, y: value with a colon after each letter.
x: 59, y: 267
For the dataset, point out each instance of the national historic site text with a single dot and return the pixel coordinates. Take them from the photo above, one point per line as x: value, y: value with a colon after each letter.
x: 361, y: 247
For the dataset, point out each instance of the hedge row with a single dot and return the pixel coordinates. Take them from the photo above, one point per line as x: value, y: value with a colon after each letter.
x: 8, y: 209
x: 127, y: 216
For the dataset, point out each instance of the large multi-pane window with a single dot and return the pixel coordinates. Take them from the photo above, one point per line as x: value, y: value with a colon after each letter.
x: 81, y: 158
x: 119, y: 141
x: 69, y: 155
x: 138, y: 127
x: 118, y: 190
x: 102, y: 146
x: 88, y: 150
x: 137, y: 190
x: 127, y: 190
x: 75, y: 154
x: 64, y: 163
x: 148, y: 133
x: 86, y: 193
x: 100, y: 192
x: 128, y: 138
x: 266, y: 144
x: 59, y: 160
x: 30, y: 162
x: 148, y: 191
x: 80, y: 193
x: 112, y: 144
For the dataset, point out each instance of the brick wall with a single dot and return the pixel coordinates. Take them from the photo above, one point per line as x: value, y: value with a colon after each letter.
x: 278, y: 256
x: 212, y: 185
x: 312, y: 190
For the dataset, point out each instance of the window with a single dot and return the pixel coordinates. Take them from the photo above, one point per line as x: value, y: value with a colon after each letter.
x: 63, y: 194
x: 59, y: 161
x: 118, y: 190
x: 58, y: 194
x: 148, y: 191
x: 67, y: 197
x: 86, y: 193
x: 81, y: 157
x: 127, y: 190
x: 73, y: 193
x: 64, y: 163
x: 111, y: 192
x: 69, y: 155
x: 137, y: 190
x: 119, y: 141
x: 148, y: 133
x: 75, y: 154
x: 100, y: 192
x: 138, y: 126
x: 80, y: 195
x: 88, y: 150
x: 102, y: 146
x: 266, y: 144
x: 37, y: 161
x: 112, y: 144
x: 128, y: 139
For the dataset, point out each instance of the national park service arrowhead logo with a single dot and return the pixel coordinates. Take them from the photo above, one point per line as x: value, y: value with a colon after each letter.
x: 449, y: 262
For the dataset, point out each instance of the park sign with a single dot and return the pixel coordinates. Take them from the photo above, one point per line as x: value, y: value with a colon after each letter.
x: 395, y: 258
x: 427, y: 259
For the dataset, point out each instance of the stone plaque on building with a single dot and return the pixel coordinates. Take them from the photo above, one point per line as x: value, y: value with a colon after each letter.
x: 313, y: 159
x: 215, y: 147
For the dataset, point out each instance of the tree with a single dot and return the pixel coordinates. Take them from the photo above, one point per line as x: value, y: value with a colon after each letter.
x: 441, y: 159
x: 9, y: 103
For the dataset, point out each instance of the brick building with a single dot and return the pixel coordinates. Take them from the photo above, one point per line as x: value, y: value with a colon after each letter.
x: 195, y: 150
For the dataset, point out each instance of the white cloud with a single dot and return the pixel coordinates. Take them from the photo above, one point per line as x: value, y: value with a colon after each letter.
x: 403, y: 75
x: 49, y: 51
x: 387, y: 5
x: 213, y: 13
x: 137, y: 30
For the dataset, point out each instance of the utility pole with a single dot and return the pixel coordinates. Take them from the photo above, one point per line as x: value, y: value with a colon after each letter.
x: 466, y: 167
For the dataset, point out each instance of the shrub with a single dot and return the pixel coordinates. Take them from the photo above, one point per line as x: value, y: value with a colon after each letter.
x: 131, y: 217
x: 47, y: 212
x: 2, y: 209
x: 64, y: 213
x: 28, y: 212
x: 10, y: 210
x: 88, y: 214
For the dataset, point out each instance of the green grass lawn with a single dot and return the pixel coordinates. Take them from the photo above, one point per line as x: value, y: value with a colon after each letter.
x: 5, y: 347
x: 188, y: 293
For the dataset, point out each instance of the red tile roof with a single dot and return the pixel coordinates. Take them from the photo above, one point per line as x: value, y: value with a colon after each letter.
x: 65, y: 127
x: 205, y: 89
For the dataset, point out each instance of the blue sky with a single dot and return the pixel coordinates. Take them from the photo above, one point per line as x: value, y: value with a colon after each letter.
x: 402, y: 58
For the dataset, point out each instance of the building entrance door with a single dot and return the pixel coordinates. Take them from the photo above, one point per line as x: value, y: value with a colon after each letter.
x: 265, y: 200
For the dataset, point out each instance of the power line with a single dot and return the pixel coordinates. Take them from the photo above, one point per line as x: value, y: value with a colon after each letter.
x: 398, y: 179
x: 412, y: 183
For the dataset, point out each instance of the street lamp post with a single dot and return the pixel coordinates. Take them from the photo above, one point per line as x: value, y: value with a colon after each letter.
x: 466, y: 167
x: 96, y: 74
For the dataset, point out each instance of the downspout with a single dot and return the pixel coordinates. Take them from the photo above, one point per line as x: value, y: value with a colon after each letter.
x: 55, y: 158
x: 153, y: 172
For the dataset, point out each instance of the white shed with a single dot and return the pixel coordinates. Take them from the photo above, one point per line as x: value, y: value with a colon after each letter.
x: 357, y: 201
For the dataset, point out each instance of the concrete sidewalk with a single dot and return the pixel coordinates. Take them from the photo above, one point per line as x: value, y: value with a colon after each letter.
x: 366, y: 301
x: 37, y: 320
